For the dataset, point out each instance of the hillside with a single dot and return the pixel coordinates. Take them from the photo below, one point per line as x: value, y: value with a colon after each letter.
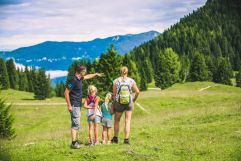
x: 59, y: 55
x: 192, y: 121
x: 213, y: 31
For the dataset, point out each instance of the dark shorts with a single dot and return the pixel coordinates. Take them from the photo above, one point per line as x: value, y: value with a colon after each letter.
x: 121, y: 108
x: 75, y: 118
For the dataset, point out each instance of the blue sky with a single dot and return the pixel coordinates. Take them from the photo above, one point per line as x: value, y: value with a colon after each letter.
x: 28, y: 22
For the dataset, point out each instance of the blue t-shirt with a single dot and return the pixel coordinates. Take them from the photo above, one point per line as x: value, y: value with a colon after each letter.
x: 106, y: 113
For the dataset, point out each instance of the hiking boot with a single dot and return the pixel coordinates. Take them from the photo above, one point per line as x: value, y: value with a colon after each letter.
x: 114, y: 140
x: 126, y: 141
x: 75, y: 145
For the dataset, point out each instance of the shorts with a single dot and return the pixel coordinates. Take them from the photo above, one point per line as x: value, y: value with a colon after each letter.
x: 106, y: 122
x: 121, y: 108
x: 75, y: 118
x: 95, y: 121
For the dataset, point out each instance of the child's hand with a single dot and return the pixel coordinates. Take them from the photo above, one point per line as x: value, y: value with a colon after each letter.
x: 92, y: 117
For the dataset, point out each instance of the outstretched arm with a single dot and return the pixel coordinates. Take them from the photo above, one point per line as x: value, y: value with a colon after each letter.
x: 89, y: 76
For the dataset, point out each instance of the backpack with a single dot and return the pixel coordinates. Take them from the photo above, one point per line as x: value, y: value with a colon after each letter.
x: 124, y: 93
x: 91, y: 111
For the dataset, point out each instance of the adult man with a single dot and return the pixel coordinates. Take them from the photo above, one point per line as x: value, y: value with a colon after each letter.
x: 73, y: 96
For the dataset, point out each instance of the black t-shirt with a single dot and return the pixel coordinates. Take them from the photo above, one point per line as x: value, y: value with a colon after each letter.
x: 75, y: 87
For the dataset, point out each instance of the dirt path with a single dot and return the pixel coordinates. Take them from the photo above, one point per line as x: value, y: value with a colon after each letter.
x: 38, y: 104
x: 141, y: 107
x: 202, y: 89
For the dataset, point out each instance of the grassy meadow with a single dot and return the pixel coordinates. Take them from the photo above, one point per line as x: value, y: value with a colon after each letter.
x: 191, y: 121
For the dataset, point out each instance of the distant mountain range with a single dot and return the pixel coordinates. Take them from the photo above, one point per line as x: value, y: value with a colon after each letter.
x: 53, y: 55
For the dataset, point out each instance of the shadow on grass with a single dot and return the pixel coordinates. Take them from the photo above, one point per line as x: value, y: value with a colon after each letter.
x: 28, y: 99
x: 4, y: 154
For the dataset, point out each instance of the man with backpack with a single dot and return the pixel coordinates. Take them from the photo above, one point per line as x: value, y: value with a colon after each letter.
x: 124, y: 101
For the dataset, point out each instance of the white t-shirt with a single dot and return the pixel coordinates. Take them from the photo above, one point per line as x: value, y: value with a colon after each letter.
x: 127, y: 80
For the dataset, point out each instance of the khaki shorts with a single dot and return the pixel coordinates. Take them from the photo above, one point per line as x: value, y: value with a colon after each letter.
x: 106, y: 122
x: 75, y: 118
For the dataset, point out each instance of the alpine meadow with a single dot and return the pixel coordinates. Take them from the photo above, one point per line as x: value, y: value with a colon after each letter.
x: 189, y: 106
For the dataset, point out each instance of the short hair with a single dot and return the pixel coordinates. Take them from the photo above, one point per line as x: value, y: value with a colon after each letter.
x: 80, y: 68
x: 124, y: 70
x: 91, y: 88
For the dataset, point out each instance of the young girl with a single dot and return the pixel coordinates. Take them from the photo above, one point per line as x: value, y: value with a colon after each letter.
x: 93, y: 114
x: 107, y: 111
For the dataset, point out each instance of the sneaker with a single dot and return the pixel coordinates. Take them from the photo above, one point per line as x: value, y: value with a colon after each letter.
x: 126, y: 141
x: 91, y: 143
x: 114, y: 140
x: 97, y: 143
x: 103, y: 142
x: 109, y: 142
x: 76, y: 145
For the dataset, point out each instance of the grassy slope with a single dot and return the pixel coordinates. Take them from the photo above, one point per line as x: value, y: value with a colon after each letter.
x: 182, y: 123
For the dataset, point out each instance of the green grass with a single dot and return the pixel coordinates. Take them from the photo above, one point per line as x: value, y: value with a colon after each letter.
x: 181, y: 123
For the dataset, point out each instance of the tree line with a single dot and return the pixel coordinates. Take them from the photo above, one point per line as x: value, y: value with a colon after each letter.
x: 207, y: 45
x: 28, y: 79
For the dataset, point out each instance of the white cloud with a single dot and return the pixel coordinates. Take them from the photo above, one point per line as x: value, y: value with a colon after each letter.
x: 76, y: 58
x: 32, y: 22
x: 20, y: 66
x: 57, y: 73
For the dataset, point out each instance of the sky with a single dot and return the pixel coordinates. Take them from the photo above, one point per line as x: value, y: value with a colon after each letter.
x: 28, y: 22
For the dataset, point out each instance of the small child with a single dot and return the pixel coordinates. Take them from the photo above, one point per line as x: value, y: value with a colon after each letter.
x: 107, y: 111
x: 94, y: 114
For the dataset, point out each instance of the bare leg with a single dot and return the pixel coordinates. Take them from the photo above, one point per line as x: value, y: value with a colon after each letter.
x: 127, y: 123
x: 90, y: 132
x: 104, y: 134
x: 96, y: 130
x: 117, y: 122
x: 109, y: 133
x: 74, y: 134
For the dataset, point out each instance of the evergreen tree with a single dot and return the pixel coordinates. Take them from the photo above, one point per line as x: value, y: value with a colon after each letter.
x: 185, y: 68
x: 143, y: 82
x: 198, y: 69
x: 132, y: 68
x: 147, y: 66
x: 238, y: 78
x: 168, y: 71
x: 12, y: 74
x: 59, y: 89
x: 109, y: 64
x: 4, y: 79
x: 32, y: 79
x: 42, y: 89
x: 224, y: 72
x: 212, y: 66
x: 23, y: 81
x: 6, y: 121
